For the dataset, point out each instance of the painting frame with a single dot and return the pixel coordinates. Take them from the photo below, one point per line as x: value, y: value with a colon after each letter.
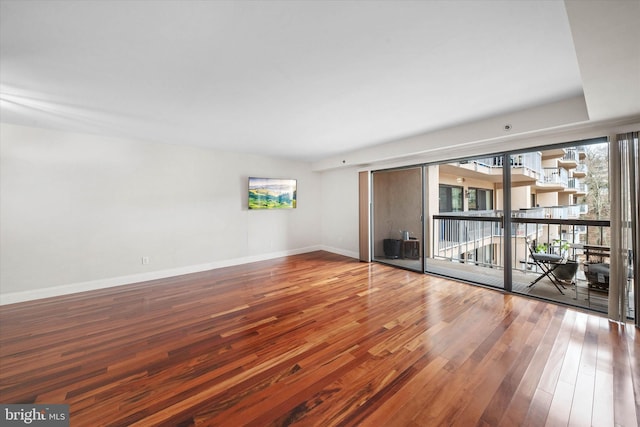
x: 272, y: 193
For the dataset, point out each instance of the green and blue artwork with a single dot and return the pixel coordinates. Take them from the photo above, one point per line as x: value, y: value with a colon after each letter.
x: 272, y: 193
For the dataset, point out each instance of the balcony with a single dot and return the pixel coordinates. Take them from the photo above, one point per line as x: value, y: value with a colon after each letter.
x: 570, y: 159
x: 580, y: 171
x: 553, y: 153
x: 526, y: 168
x: 582, y: 152
x: 471, y: 248
x: 576, y: 186
x: 553, y: 179
x: 571, y: 186
x: 565, y: 212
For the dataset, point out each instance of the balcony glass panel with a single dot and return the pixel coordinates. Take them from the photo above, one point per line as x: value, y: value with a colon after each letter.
x: 397, y: 217
x: 463, y: 228
x: 556, y: 176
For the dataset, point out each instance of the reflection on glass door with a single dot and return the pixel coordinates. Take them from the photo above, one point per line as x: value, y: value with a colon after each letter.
x: 463, y: 224
x: 397, y: 217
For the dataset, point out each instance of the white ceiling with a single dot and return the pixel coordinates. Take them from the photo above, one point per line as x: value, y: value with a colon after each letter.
x: 302, y: 80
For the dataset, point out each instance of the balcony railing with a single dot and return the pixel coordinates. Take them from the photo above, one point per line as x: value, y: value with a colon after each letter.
x: 582, y: 187
x: 531, y: 161
x: 563, y: 212
x: 457, y: 236
x: 557, y: 176
x: 571, y: 154
x: 458, y: 239
x: 581, y: 168
x: 577, y: 184
x: 554, y: 212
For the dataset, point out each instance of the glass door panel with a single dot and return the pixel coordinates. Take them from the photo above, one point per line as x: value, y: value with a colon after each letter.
x: 559, y: 217
x: 397, y: 217
x: 463, y: 220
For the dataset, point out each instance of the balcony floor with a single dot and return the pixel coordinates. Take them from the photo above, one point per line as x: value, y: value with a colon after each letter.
x: 577, y: 296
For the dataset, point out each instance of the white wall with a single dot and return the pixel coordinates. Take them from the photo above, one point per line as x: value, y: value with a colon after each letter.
x: 520, y: 198
x: 78, y: 212
x: 339, y: 211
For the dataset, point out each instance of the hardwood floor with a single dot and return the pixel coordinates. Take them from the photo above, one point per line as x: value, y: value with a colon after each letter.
x: 317, y: 339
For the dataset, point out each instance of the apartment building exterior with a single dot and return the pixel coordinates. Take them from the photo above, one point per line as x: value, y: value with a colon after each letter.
x: 544, y: 184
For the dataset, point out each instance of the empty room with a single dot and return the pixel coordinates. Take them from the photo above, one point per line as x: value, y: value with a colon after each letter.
x: 318, y: 213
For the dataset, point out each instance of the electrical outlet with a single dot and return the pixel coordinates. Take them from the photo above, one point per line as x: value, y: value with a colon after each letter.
x: 145, y: 260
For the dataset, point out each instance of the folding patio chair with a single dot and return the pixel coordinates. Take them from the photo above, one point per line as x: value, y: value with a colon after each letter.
x: 547, y: 263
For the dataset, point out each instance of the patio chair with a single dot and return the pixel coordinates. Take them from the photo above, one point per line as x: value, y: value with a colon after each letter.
x: 554, y: 267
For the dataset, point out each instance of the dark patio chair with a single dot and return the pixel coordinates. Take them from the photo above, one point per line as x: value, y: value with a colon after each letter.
x: 554, y: 267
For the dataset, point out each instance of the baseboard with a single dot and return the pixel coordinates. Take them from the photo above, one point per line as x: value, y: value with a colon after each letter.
x: 344, y: 252
x: 35, y: 294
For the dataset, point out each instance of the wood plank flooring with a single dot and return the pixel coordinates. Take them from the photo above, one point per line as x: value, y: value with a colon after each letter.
x: 317, y: 339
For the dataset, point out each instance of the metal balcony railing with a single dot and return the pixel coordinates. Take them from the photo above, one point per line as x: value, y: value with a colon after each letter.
x: 558, y: 176
x: 577, y: 184
x: 457, y: 237
x: 532, y: 161
x: 571, y: 154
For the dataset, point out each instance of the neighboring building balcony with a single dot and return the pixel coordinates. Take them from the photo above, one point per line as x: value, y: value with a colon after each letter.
x: 580, y: 171
x: 565, y: 212
x: 582, y: 152
x: 577, y: 187
x: 570, y: 160
x: 553, y: 153
x: 526, y: 168
x: 571, y: 186
x: 553, y: 179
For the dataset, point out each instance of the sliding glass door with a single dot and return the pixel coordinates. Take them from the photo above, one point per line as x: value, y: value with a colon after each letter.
x: 464, y: 219
x: 536, y: 222
x: 561, y: 227
x: 397, y: 217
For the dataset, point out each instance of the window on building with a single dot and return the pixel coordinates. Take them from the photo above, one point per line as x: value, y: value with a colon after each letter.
x: 480, y: 199
x: 451, y: 198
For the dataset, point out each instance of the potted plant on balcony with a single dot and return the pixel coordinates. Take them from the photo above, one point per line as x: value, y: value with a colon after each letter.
x: 562, y: 246
x: 565, y: 272
x: 541, y: 248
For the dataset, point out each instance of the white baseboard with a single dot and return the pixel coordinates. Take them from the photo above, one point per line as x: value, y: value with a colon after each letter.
x: 72, y: 288
x: 339, y: 251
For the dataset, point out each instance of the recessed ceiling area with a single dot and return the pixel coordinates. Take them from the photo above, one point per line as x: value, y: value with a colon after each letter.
x: 299, y: 80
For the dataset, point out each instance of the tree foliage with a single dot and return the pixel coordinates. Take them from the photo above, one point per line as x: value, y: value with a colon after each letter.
x: 597, y: 181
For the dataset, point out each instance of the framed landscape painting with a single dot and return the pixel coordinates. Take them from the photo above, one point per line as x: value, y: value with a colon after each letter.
x: 272, y: 193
